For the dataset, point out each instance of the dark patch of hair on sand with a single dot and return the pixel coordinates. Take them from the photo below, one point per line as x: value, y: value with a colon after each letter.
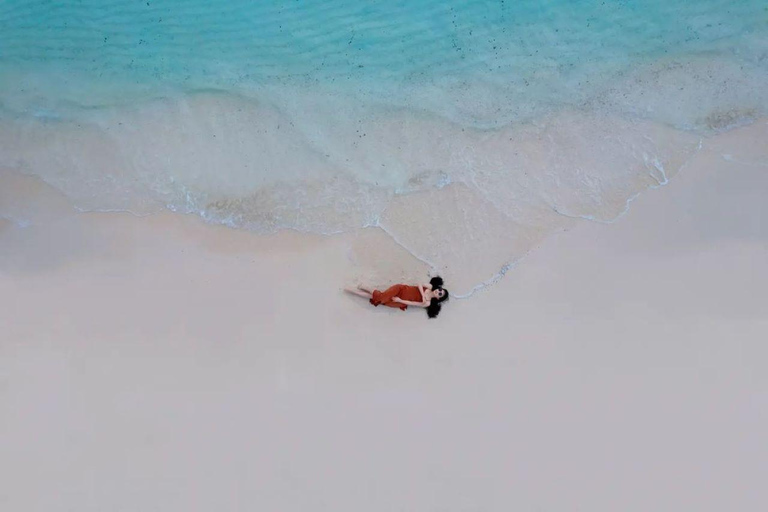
x: 434, y: 306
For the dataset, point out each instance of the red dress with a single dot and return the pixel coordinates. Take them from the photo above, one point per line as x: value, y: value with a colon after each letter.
x: 403, y: 291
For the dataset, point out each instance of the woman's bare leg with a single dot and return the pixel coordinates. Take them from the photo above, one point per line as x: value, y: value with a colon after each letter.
x: 359, y: 293
x: 366, y: 290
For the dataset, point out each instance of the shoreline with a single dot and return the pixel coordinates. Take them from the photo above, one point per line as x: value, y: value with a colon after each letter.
x: 482, y: 200
x: 28, y: 201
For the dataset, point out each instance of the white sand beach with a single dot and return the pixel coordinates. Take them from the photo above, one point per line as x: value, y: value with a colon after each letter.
x: 162, y: 364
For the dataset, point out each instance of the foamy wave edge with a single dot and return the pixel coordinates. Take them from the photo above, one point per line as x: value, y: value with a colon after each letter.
x: 328, y: 163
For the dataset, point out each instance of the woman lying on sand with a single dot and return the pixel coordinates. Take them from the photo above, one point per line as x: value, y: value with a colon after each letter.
x: 402, y: 295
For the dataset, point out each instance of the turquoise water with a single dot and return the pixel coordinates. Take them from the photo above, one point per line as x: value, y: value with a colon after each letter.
x: 546, y: 52
x: 330, y: 116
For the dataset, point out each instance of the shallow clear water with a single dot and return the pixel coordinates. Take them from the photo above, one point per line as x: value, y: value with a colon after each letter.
x: 539, y: 53
x: 328, y: 116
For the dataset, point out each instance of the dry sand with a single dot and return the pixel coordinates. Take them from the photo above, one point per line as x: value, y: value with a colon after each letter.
x: 161, y: 364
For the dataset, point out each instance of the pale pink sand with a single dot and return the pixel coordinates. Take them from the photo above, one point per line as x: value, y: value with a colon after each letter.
x: 159, y: 364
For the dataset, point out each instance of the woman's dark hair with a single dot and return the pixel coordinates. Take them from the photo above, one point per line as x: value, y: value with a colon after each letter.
x: 436, y: 282
x: 434, y: 306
